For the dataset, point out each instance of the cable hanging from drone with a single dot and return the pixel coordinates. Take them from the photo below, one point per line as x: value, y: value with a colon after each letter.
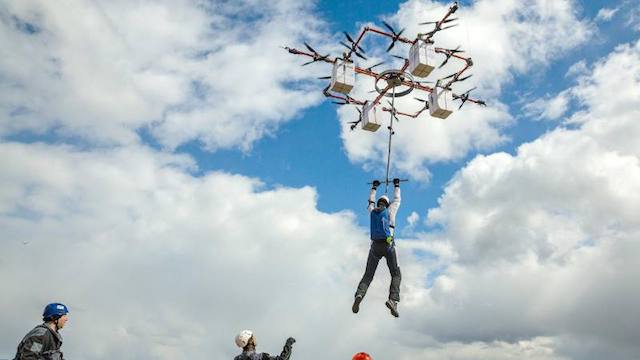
x: 420, y: 63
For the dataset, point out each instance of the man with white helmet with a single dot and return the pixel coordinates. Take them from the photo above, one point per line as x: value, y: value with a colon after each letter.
x: 247, y: 341
x: 383, y: 218
x: 44, y: 341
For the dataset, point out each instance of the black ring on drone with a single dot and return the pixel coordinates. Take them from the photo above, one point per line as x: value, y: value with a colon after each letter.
x: 396, y: 72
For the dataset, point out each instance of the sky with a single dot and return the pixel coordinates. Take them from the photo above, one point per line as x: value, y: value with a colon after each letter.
x: 174, y: 176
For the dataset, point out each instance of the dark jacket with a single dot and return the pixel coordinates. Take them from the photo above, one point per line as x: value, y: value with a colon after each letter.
x: 41, y: 343
x: 252, y: 355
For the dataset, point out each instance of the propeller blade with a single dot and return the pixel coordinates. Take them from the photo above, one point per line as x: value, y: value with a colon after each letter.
x: 400, y: 33
x: 372, y: 66
x: 444, y: 62
x: 449, y: 27
x: 360, y: 56
x: 327, y: 88
x: 465, y: 78
x: 463, y: 101
x: 470, y: 90
x: 324, y: 78
x: 310, y: 48
x: 450, y: 76
x: 389, y: 27
x: 421, y: 100
x: 428, y: 22
x: 456, y: 50
x: 393, y: 43
x: 345, y: 45
x: 399, y: 57
x: 348, y: 37
x: 308, y: 62
x: 450, y: 20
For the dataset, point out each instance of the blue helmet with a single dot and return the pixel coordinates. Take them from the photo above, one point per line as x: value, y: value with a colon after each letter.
x: 54, y: 310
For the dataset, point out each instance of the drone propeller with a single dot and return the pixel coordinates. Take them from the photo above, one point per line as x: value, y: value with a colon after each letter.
x: 399, y: 57
x: 449, y: 76
x: 464, y: 78
x: 435, y: 22
x: 324, y: 78
x: 464, y: 97
x: 350, y: 39
x: 396, y: 36
x: 310, y: 48
x: 426, y: 103
x: 353, y: 49
x: 454, y: 51
x: 316, y: 56
x: 372, y: 66
x: 449, y: 53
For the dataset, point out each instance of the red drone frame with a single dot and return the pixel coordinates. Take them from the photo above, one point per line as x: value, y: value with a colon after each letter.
x: 355, y: 49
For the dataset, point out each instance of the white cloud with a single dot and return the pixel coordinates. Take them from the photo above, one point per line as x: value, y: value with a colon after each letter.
x: 543, y: 242
x: 503, y: 38
x: 606, y: 14
x: 549, y: 107
x: 159, y: 264
x: 185, y: 70
x: 633, y: 18
x: 413, y: 218
x: 579, y: 68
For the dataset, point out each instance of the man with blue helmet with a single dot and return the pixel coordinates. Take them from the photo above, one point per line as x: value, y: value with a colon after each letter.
x: 383, y: 218
x: 44, y: 341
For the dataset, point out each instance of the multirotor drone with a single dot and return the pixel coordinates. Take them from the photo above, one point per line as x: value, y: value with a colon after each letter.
x: 394, y: 83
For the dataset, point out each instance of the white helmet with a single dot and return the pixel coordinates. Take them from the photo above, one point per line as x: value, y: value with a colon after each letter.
x: 243, y: 338
x: 384, y: 198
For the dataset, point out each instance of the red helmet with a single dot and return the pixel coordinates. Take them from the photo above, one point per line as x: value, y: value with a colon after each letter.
x: 362, y: 356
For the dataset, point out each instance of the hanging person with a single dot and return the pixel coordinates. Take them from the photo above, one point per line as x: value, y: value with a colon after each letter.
x: 247, y: 341
x: 383, y: 218
x: 44, y: 341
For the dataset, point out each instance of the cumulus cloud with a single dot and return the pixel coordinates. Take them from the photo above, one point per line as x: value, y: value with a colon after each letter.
x: 541, y: 243
x: 504, y: 38
x: 184, y: 70
x: 159, y: 264
x: 606, y: 14
x: 548, y: 107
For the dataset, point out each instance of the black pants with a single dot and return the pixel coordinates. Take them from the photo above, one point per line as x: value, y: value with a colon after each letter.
x: 378, y: 250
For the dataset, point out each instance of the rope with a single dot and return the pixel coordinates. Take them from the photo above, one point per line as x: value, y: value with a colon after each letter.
x: 386, y: 181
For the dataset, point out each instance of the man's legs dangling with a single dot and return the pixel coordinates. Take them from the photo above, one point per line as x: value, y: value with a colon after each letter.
x: 372, y: 264
x: 396, y: 277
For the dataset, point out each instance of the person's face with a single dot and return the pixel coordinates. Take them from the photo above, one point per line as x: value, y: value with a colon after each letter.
x: 62, y: 321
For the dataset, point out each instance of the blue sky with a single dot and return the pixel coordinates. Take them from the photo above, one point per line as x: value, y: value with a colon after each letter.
x: 168, y: 159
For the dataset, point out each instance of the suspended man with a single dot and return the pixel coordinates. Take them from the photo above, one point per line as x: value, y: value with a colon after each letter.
x: 383, y: 218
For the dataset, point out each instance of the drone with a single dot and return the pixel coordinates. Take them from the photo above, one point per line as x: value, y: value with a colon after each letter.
x: 394, y: 83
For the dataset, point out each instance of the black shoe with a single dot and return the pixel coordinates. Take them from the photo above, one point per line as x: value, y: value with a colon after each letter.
x: 356, y: 304
x: 393, y: 306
